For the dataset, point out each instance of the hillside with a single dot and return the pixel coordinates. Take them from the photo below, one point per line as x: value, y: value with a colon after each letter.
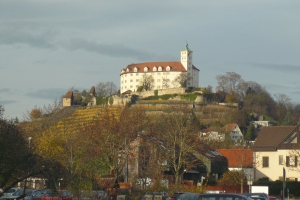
x: 206, y: 113
x: 84, y: 116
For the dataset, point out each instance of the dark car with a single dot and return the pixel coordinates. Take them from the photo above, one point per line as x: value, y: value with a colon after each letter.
x: 59, y: 195
x: 226, y: 196
x: 176, y: 195
x: 257, y: 196
x: 156, y: 195
x: 188, y: 196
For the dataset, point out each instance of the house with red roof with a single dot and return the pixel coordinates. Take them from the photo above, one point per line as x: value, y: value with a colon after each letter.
x: 162, y: 74
x: 277, y: 148
x: 239, y: 159
x: 234, y: 132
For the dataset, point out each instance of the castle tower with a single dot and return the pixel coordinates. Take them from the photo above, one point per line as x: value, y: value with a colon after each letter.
x: 187, y: 62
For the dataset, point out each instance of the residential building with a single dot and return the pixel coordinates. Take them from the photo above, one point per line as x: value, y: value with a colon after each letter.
x: 234, y: 132
x: 239, y: 159
x: 68, y: 99
x: 163, y: 74
x: 147, y: 160
x: 206, y: 135
x: 275, y: 148
x: 259, y: 124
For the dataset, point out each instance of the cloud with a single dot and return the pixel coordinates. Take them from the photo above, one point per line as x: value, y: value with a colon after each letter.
x: 15, y: 34
x: 279, y: 67
x: 5, y: 102
x: 52, y: 93
x: 114, y: 50
x: 5, y: 90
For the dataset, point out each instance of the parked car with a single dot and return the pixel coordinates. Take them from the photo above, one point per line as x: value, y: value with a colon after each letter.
x: 257, y: 196
x: 189, y: 196
x: 216, y: 196
x: 100, y: 195
x: 18, y: 194
x: 9, y: 192
x: 273, y: 198
x: 176, y: 195
x: 59, y: 195
x: 156, y: 195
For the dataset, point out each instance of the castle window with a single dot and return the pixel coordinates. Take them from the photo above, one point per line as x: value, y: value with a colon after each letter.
x: 154, y: 69
x: 125, y: 81
x: 137, y: 80
x: 145, y: 69
x: 159, y: 68
x: 158, y: 80
x: 131, y: 86
x: 137, y: 74
x: 158, y: 73
x: 131, y: 80
x: 131, y: 74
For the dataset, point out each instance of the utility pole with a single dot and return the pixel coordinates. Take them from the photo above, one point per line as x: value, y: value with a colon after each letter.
x: 283, y: 184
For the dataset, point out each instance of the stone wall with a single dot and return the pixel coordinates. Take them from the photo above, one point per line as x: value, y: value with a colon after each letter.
x: 160, y: 92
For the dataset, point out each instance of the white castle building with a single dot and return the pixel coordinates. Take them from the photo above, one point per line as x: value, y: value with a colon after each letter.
x: 163, y: 73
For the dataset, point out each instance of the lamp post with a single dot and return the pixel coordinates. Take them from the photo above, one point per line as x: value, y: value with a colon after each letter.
x: 29, y: 140
x: 249, y: 182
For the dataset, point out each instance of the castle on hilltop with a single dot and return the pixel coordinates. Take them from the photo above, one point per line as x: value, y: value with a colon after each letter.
x: 163, y: 74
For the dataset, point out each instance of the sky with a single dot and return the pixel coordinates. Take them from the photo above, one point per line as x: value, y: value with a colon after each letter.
x: 50, y: 46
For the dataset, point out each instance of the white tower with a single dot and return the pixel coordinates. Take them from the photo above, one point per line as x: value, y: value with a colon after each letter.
x: 187, y: 62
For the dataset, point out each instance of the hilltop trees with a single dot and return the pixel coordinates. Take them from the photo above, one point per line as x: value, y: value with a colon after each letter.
x: 229, y: 82
x: 105, y: 89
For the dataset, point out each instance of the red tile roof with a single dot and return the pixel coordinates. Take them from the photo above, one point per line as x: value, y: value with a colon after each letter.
x: 270, y: 137
x: 238, y: 157
x: 229, y: 127
x: 175, y: 67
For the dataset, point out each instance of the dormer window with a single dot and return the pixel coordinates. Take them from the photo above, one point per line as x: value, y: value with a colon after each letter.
x: 154, y: 69
x: 159, y: 68
x: 127, y: 70
x: 168, y: 68
x: 146, y: 69
x: 135, y: 69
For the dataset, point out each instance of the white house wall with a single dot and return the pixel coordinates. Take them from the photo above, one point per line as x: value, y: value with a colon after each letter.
x: 275, y: 170
x: 131, y: 81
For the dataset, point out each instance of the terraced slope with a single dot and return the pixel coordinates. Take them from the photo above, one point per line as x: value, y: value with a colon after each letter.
x: 84, y: 117
x: 206, y: 113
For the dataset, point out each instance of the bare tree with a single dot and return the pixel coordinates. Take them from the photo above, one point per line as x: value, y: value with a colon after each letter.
x: 147, y: 82
x: 106, y: 89
x: 282, y: 99
x: 180, y: 80
x: 178, y: 130
x: 228, y: 82
x: 166, y: 83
